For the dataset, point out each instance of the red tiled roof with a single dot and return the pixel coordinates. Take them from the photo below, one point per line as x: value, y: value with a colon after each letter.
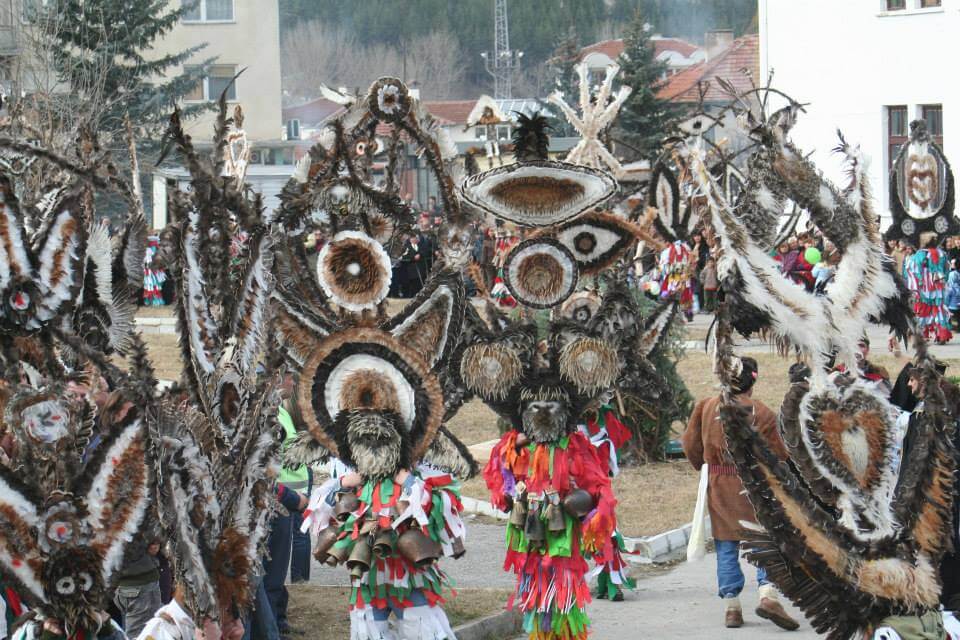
x: 613, y: 48
x: 450, y: 111
x: 729, y: 64
x: 312, y: 113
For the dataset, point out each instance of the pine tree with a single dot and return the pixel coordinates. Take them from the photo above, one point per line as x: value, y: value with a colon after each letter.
x: 645, y: 118
x: 101, y: 51
x: 565, y: 81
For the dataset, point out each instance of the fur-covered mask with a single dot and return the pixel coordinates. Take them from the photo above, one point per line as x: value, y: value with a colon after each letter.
x: 545, y: 414
x: 456, y: 244
x: 61, y: 549
x: 40, y: 276
x: 618, y: 317
x: 374, y: 442
x: 371, y: 396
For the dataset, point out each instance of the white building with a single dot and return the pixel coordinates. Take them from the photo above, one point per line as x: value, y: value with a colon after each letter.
x: 867, y: 67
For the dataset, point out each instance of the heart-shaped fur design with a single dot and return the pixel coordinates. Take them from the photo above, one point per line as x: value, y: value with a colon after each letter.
x: 922, y: 173
x: 856, y: 441
x: 849, y: 429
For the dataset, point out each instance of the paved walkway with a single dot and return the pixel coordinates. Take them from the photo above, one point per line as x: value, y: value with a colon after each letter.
x: 682, y: 604
x: 677, y: 604
x: 878, y: 340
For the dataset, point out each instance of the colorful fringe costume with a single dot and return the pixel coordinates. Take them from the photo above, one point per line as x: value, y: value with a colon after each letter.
x: 608, y: 435
x: 676, y: 282
x: 153, y: 278
x: 551, y: 588
x: 499, y: 292
x: 428, y: 502
x: 926, y: 276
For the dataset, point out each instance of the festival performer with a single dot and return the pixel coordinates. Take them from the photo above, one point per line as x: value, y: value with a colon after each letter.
x: 926, y: 275
x: 505, y: 239
x: 850, y: 540
x: 379, y: 404
x: 153, y: 275
x: 214, y: 445
x: 676, y: 279
x: 544, y: 470
x: 550, y: 477
x: 608, y: 435
x: 704, y: 442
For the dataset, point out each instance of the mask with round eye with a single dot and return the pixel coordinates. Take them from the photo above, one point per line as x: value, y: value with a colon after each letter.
x: 66, y: 586
x: 597, y: 240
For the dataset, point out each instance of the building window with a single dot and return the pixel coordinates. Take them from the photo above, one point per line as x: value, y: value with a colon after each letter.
x: 208, y: 11
x: 896, y: 5
x: 932, y: 114
x: 218, y: 78
x: 928, y: 4
x: 896, y: 130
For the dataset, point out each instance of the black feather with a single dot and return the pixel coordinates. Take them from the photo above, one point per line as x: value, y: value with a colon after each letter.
x: 530, y: 139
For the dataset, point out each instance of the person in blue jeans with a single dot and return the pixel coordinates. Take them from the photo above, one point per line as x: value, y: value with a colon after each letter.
x: 300, y: 553
x: 704, y: 442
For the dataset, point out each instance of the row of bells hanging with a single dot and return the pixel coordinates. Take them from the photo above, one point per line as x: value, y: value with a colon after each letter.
x: 537, y: 515
x: 413, y: 545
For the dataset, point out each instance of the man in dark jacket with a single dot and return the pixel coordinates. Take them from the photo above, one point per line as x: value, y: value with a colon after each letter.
x: 138, y: 587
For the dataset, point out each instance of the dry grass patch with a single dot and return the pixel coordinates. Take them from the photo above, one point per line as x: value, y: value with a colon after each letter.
x: 321, y: 612
x: 475, y: 422
x: 655, y: 497
x: 164, y: 351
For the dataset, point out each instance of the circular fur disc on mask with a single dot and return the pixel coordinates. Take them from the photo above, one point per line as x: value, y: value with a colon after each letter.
x: 540, y: 273
x: 538, y: 194
x: 388, y: 99
x: 581, y: 306
x: 366, y: 368
x: 354, y: 271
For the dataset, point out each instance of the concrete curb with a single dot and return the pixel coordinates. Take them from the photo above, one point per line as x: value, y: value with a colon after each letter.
x: 157, y: 325
x: 505, y: 624
x: 472, y: 506
x: 662, y: 547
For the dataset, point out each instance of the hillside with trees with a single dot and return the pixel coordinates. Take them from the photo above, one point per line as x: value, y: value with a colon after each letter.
x: 438, y: 42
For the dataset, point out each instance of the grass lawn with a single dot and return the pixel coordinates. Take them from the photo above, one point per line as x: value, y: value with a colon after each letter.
x: 475, y: 422
x: 321, y: 612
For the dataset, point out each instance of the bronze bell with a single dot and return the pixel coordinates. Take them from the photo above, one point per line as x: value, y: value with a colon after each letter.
x: 337, y: 554
x: 325, y: 540
x: 554, y: 513
x: 347, y: 503
x: 458, y: 548
x: 556, y: 521
x: 578, y: 503
x: 534, y: 529
x: 518, y: 515
x: 418, y: 548
x: 359, y: 560
x: 385, y: 543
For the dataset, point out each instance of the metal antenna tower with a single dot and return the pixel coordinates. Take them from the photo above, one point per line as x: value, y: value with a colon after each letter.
x: 504, y: 60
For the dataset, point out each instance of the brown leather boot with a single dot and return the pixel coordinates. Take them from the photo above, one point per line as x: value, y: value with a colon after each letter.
x: 771, y: 610
x: 733, y: 619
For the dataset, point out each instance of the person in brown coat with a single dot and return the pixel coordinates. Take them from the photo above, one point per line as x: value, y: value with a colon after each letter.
x: 704, y: 442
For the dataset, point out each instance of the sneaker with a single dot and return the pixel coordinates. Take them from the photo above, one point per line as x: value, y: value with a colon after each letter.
x: 618, y: 595
x: 601, y: 593
x: 733, y: 619
x: 770, y: 609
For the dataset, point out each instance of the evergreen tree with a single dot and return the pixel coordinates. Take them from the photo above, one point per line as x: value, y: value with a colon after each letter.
x: 101, y: 51
x: 561, y: 65
x: 645, y: 118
